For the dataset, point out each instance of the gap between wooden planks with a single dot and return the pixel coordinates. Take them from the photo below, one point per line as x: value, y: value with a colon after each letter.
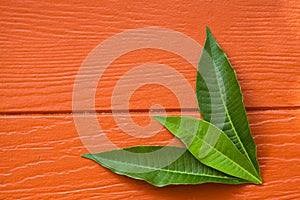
x: 43, y: 45
x: 40, y: 160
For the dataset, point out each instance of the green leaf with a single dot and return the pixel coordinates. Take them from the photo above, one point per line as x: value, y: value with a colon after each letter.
x: 211, y: 146
x: 160, y: 166
x: 220, y: 99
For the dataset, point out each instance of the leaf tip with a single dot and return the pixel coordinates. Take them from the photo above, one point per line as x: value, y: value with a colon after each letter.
x: 160, y: 119
x: 207, y: 28
x: 208, y: 32
x: 85, y: 155
x: 260, y: 182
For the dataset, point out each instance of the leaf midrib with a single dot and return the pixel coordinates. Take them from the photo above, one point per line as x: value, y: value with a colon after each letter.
x: 171, y: 171
x: 226, y: 110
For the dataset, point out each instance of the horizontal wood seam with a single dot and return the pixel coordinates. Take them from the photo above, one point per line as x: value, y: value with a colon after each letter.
x: 138, y: 111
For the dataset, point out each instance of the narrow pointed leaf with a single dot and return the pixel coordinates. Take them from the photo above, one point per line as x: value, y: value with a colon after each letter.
x: 220, y: 99
x: 141, y: 163
x: 211, y: 146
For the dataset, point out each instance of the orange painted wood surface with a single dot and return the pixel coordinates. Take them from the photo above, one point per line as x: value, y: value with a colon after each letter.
x: 44, y: 43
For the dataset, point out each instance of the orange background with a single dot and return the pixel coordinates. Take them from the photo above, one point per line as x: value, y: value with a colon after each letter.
x: 43, y: 44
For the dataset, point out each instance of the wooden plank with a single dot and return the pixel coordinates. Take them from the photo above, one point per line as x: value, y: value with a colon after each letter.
x: 40, y: 160
x: 43, y: 45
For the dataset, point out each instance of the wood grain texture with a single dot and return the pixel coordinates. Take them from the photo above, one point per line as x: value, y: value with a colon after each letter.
x: 40, y: 160
x: 43, y: 44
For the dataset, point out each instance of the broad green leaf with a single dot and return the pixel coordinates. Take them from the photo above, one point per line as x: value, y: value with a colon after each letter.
x: 211, y: 146
x: 160, y: 166
x: 220, y: 99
